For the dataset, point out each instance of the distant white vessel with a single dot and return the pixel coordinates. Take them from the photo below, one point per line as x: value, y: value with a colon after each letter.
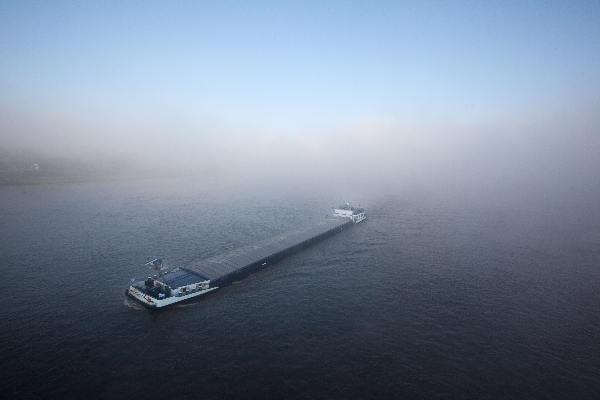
x: 347, y: 211
x: 169, y: 286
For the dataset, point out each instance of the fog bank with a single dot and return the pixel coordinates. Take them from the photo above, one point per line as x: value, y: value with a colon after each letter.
x: 543, y: 153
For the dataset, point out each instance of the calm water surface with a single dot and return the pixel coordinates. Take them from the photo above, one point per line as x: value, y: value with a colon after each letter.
x: 424, y: 300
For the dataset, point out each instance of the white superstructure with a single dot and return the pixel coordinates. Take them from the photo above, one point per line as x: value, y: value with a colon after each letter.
x: 347, y: 211
x: 139, y: 293
x: 167, y: 287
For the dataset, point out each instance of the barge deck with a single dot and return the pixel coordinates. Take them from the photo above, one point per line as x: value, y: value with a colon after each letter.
x: 221, y: 269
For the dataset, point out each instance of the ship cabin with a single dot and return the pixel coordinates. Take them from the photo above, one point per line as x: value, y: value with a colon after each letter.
x: 176, y: 283
x: 353, y: 213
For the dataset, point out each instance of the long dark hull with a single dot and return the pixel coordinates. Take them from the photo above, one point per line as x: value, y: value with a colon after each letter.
x: 276, y: 256
x: 223, y: 270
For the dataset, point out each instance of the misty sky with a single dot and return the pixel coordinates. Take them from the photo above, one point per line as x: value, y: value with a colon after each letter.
x: 405, y: 87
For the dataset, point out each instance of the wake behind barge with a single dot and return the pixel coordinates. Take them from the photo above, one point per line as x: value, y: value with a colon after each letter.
x: 169, y: 287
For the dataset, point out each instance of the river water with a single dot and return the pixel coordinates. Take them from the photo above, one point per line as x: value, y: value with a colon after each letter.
x: 423, y: 300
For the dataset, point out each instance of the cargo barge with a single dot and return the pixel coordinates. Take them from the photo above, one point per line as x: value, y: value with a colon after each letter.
x: 167, y: 287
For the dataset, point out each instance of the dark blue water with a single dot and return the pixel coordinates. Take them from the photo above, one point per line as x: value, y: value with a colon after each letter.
x: 424, y: 300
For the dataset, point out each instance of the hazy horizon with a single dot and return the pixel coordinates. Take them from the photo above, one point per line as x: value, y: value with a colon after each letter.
x: 435, y: 95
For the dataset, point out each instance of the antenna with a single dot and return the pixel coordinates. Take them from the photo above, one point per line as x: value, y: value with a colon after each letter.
x: 156, y: 264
